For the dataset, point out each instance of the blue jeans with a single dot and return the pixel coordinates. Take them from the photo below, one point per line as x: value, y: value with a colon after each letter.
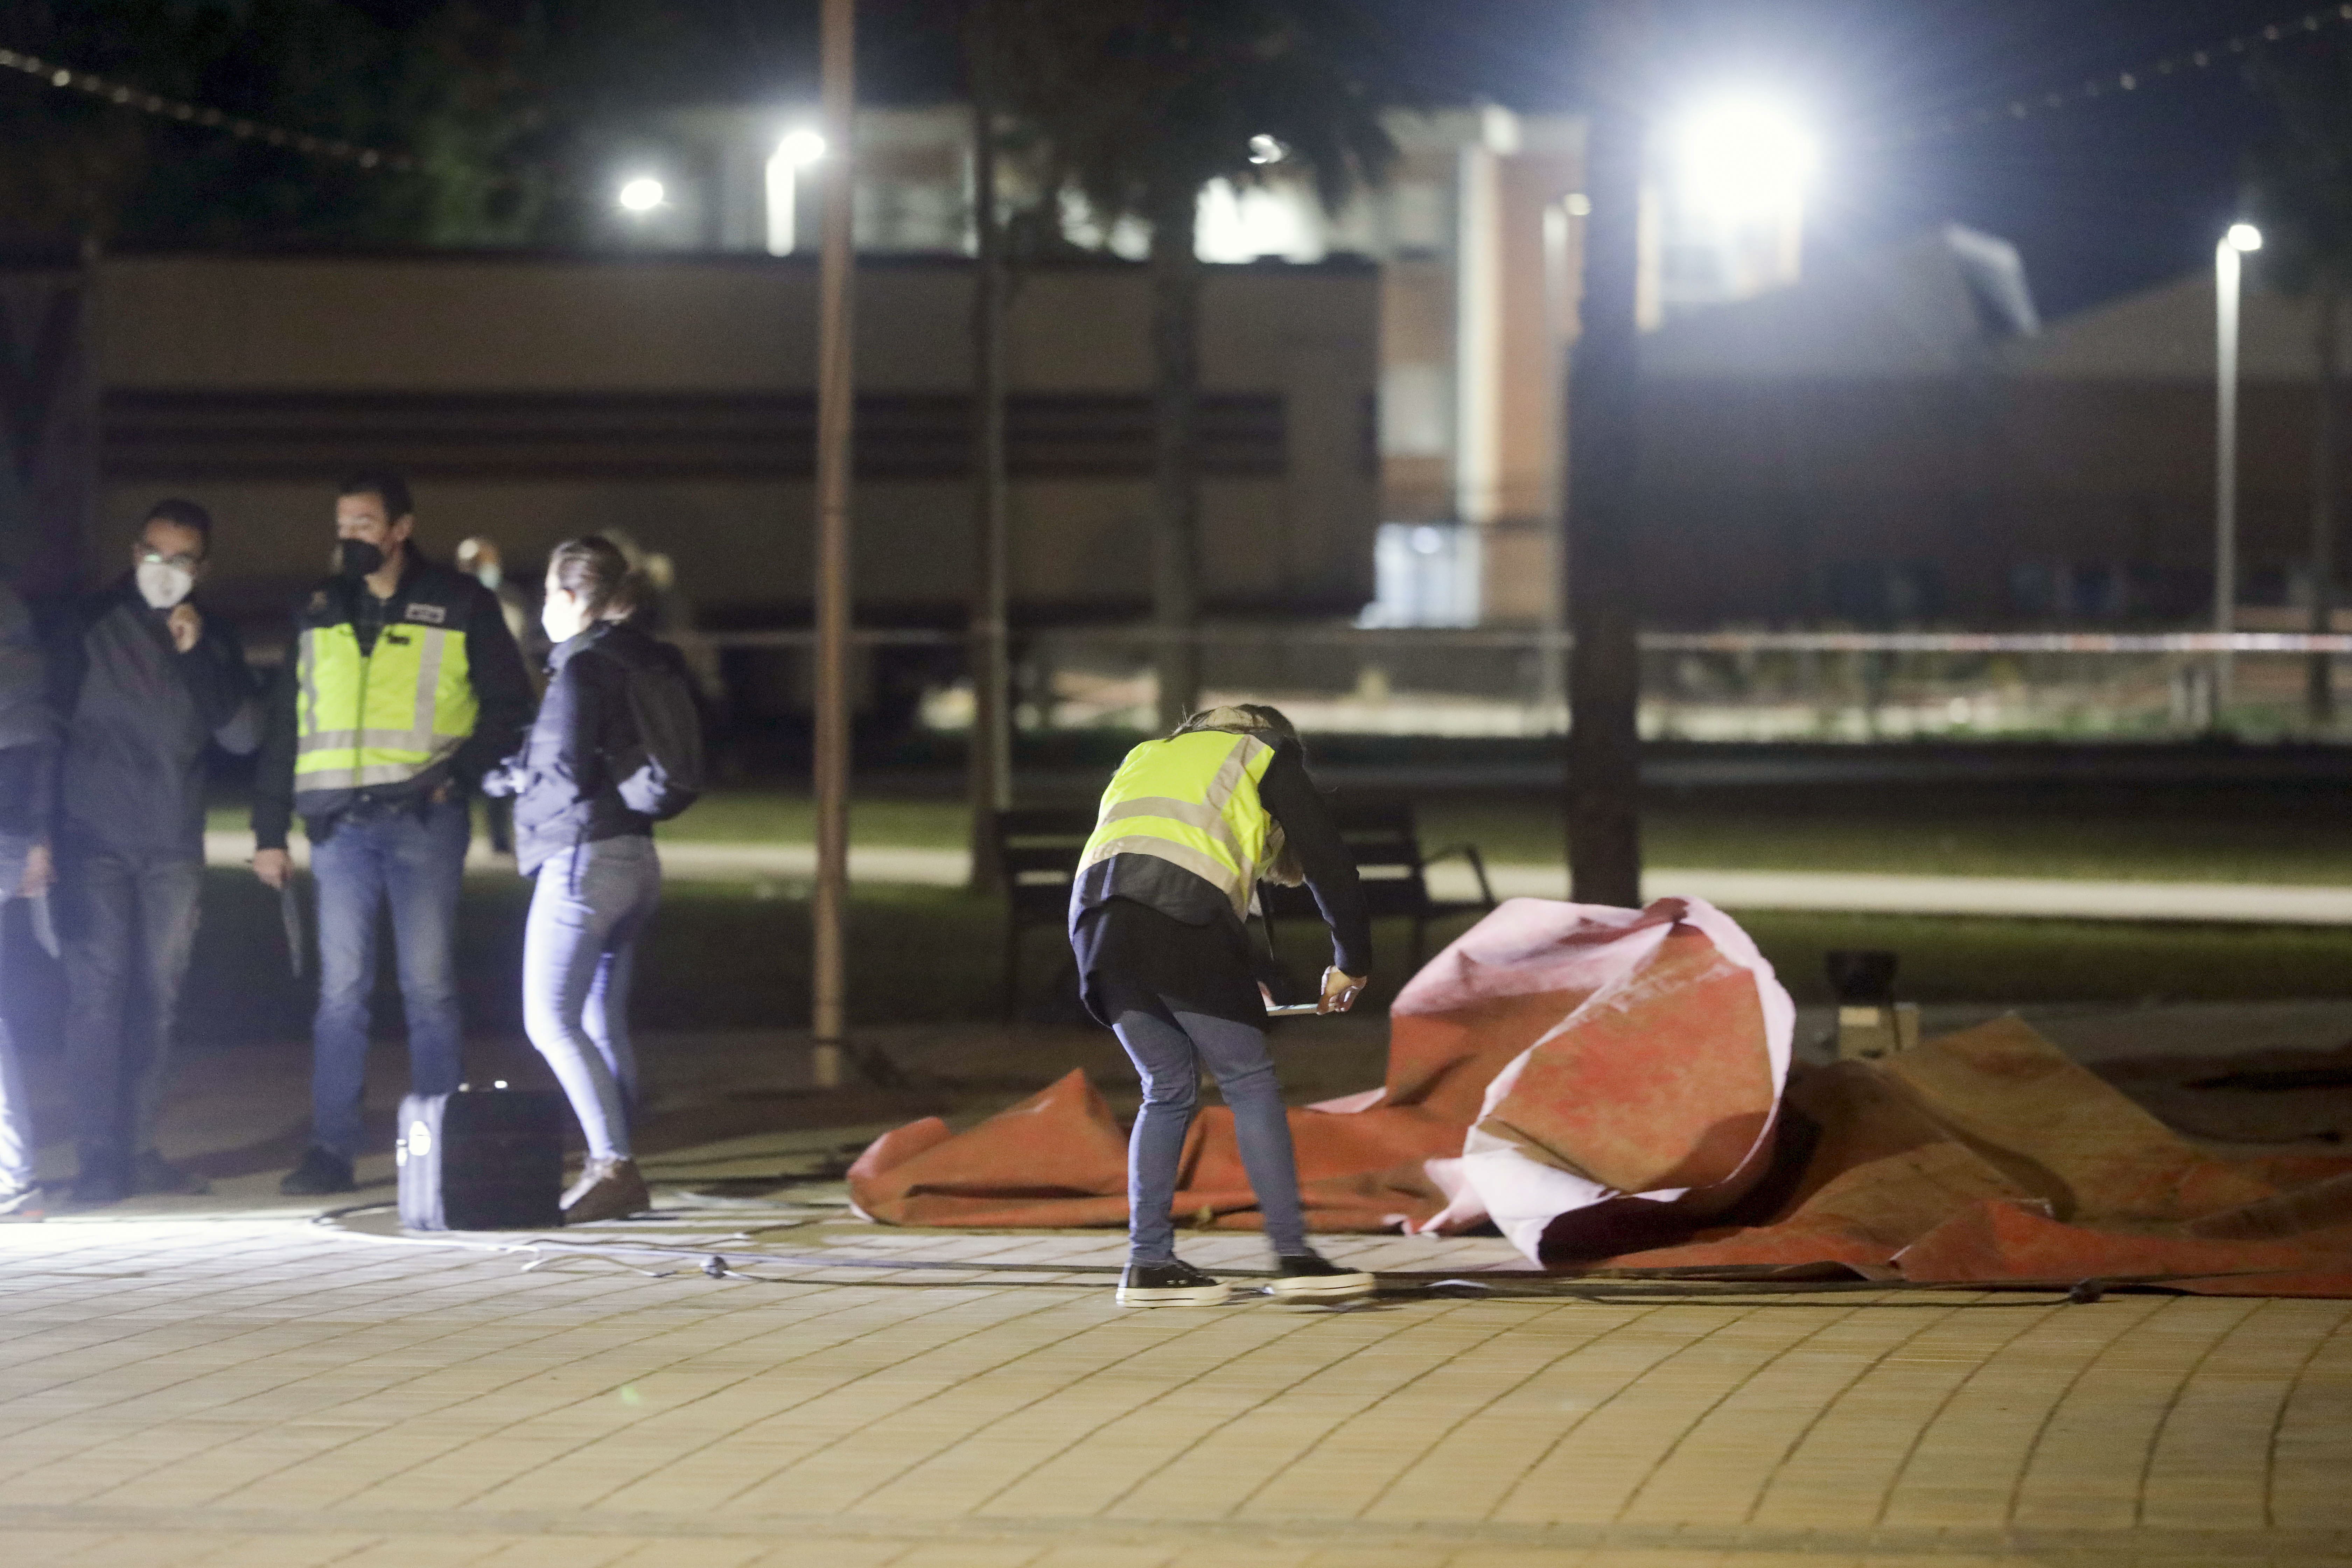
x: 1168, y: 1048
x: 16, y: 1146
x: 579, y: 955
x: 129, y: 926
x: 418, y: 863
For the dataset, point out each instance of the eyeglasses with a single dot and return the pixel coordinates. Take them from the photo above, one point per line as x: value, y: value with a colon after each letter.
x: 155, y: 558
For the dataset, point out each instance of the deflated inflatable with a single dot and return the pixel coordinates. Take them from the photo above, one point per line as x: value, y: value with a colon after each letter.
x: 1613, y: 1087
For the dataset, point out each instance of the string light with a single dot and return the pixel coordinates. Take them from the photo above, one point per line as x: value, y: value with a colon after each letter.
x: 2123, y: 81
x: 124, y: 96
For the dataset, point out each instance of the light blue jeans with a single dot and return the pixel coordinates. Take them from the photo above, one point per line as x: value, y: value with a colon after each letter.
x: 579, y: 955
x: 417, y: 864
x: 1168, y: 1048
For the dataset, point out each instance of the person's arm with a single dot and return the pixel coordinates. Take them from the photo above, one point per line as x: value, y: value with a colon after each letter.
x: 223, y: 686
x: 501, y: 686
x: 273, y: 770
x: 1290, y: 797
x: 573, y: 716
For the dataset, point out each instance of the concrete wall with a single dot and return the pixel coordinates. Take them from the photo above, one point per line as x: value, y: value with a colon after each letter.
x: 534, y: 398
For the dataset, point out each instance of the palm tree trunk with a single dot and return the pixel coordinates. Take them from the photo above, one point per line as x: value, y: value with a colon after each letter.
x: 2320, y: 687
x: 990, y: 761
x: 1176, y: 453
x: 1604, y: 742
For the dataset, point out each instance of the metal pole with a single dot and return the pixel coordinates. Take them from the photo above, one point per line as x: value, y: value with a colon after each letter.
x: 2227, y: 264
x: 990, y: 761
x: 835, y: 392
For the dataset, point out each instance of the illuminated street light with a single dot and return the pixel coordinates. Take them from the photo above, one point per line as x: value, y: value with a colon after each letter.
x: 1744, y: 156
x: 1265, y: 149
x: 797, y: 150
x: 2241, y: 239
x: 642, y: 194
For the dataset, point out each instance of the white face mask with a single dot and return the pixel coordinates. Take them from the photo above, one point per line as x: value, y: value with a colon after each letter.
x: 490, y: 577
x: 163, y: 583
x: 559, y: 620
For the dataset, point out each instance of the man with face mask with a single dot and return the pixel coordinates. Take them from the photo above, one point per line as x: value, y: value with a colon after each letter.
x: 401, y: 689
x: 144, y: 682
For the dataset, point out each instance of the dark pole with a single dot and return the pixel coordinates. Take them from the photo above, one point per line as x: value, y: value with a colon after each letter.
x: 836, y: 392
x: 1176, y: 440
x: 2319, y: 673
x: 1604, y: 758
x: 991, y: 763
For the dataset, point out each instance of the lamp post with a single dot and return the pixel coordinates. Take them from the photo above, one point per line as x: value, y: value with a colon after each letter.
x: 834, y: 394
x: 2228, y: 258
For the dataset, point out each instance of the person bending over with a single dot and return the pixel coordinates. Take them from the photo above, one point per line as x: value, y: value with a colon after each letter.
x: 1187, y: 827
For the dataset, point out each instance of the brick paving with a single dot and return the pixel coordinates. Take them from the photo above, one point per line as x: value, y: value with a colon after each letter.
x: 223, y: 1387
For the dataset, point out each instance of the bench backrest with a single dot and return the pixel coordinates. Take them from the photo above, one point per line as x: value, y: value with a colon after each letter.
x: 1039, y: 848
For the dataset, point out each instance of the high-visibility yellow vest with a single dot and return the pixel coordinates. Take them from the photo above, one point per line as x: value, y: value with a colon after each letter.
x: 366, y: 721
x: 1190, y: 800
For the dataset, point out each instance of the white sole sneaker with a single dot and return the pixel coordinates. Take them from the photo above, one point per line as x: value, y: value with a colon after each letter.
x: 1323, y: 1288
x: 1176, y: 1296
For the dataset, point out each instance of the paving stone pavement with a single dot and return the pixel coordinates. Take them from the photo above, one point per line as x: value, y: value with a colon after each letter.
x: 220, y: 1387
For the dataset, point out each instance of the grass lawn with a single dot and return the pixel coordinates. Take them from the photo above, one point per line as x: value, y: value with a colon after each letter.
x: 723, y: 956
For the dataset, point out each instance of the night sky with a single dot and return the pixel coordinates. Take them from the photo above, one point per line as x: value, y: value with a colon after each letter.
x: 2103, y: 198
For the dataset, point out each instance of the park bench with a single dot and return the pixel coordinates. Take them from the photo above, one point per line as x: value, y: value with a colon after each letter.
x: 1038, y: 850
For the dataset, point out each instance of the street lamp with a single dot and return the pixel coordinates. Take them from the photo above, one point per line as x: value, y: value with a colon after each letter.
x: 641, y: 195
x: 2228, y: 259
x: 797, y: 150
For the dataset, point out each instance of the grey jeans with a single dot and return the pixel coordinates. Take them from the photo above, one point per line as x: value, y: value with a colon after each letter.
x: 579, y: 955
x: 130, y: 925
x: 1168, y: 1048
x: 17, y: 1145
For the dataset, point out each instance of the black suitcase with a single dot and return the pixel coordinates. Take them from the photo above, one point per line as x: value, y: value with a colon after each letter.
x: 481, y: 1160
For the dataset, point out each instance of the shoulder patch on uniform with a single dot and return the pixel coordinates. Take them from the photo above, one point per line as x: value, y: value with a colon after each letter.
x: 432, y: 614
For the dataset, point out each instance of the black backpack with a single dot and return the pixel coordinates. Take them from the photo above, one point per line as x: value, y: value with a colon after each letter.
x: 662, y: 773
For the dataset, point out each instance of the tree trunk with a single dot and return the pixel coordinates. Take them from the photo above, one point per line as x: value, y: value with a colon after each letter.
x: 1176, y: 454
x: 990, y: 761
x: 1604, y: 745
x: 2320, y: 693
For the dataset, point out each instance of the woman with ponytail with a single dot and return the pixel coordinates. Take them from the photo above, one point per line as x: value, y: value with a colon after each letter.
x: 593, y: 858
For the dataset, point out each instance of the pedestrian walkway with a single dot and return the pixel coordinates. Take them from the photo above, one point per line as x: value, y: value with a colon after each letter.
x: 239, y: 1391
x: 1852, y: 893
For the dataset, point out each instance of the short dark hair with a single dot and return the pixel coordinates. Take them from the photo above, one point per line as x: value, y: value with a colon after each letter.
x: 386, y: 487
x: 181, y: 514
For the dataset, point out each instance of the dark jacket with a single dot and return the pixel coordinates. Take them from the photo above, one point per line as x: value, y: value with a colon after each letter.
x: 138, y: 715
x: 1142, y: 924
x: 429, y: 594
x: 562, y: 781
x: 27, y: 740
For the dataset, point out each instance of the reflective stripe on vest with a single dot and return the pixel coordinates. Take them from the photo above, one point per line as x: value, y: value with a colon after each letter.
x: 1182, y: 799
x: 381, y: 718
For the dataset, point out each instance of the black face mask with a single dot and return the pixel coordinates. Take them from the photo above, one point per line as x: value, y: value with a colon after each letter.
x: 357, y: 558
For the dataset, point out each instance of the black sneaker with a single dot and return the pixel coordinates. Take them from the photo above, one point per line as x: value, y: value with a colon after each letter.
x: 150, y: 1172
x: 1172, y: 1284
x: 321, y: 1172
x: 1307, y: 1276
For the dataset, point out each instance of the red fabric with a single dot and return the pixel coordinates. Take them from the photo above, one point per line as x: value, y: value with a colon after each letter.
x: 1612, y: 1087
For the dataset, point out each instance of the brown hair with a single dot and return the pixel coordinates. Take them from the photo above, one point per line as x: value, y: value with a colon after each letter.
x: 594, y: 569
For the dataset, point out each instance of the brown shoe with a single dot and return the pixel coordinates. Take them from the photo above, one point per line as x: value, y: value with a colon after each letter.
x: 607, y: 1189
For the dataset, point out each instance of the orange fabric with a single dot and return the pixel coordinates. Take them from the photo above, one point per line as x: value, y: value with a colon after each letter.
x: 1603, y: 1082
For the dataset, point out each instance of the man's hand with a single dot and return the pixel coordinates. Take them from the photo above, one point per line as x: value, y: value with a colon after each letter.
x: 1339, y: 991
x: 40, y: 872
x: 273, y: 867
x: 184, y: 625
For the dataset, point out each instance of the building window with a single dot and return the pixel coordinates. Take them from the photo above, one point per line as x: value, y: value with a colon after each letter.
x: 1424, y: 574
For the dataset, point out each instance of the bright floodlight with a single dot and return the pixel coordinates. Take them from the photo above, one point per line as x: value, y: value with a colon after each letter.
x: 641, y: 195
x: 1265, y: 149
x: 801, y: 147
x: 1745, y: 155
x: 2245, y: 236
